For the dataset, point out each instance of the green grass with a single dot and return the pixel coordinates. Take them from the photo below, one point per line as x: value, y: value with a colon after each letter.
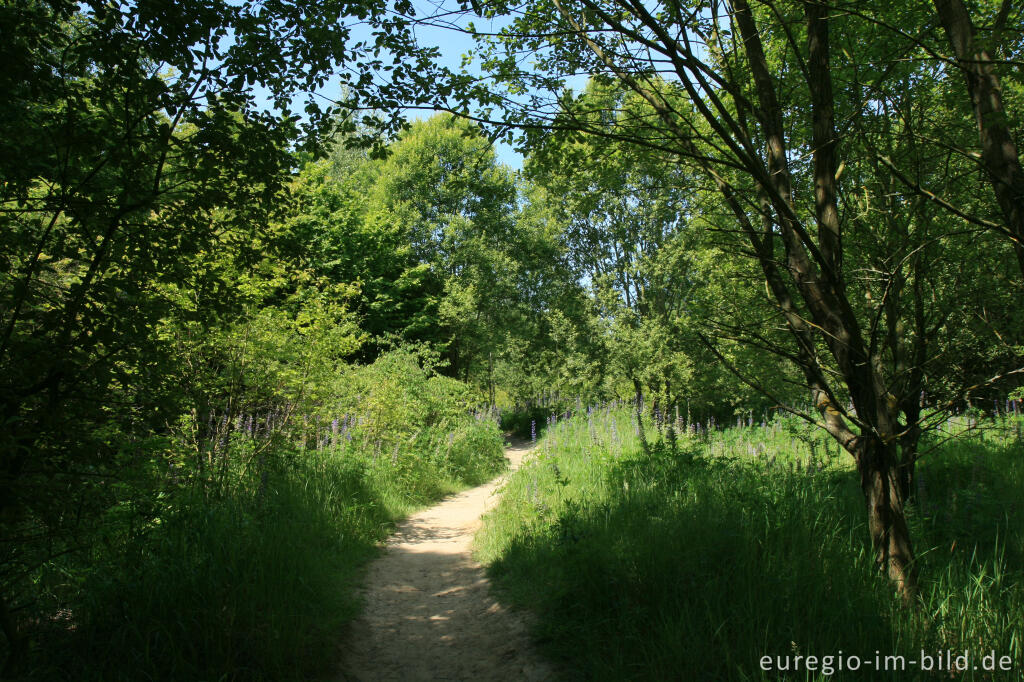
x: 253, y: 579
x: 694, y: 561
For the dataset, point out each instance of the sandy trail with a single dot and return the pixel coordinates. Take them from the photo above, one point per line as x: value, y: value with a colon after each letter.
x: 429, y: 614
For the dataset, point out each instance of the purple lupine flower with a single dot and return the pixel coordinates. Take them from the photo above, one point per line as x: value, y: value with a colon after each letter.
x: 533, y: 431
x: 222, y: 440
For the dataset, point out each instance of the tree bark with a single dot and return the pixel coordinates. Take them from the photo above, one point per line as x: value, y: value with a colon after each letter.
x: 881, y: 481
x: 999, y: 155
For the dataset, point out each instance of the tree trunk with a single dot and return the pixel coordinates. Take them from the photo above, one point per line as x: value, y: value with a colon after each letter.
x: 490, y: 378
x: 639, y: 388
x: 882, y: 479
x: 998, y: 151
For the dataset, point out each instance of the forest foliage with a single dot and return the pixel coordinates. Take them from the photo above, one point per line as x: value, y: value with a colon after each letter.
x: 222, y: 319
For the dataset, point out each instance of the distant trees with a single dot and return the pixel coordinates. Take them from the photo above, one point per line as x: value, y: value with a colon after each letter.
x: 431, y: 238
x: 629, y: 234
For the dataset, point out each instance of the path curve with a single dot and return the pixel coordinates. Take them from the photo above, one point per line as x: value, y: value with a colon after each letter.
x: 428, y: 612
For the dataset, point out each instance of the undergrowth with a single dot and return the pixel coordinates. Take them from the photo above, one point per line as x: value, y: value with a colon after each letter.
x: 240, y: 563
x: 698, y: 556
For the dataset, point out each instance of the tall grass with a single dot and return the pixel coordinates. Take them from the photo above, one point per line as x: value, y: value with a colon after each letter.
x: 243, y: 567
x: 698, y: 556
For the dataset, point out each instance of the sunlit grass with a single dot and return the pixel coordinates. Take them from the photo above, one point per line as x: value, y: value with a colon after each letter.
x: 694, y: 560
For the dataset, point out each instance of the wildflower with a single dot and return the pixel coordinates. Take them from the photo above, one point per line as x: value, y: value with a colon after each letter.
x: 222, y: 441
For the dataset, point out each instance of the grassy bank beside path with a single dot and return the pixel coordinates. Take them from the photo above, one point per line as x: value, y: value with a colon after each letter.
x: 696, y: 559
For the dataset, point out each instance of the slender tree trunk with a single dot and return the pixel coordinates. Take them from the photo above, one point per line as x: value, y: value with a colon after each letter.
x: 639, y: 388
x: 999, y: 155
x: 490, y: 377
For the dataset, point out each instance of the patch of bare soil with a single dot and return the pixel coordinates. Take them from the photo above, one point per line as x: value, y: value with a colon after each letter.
x: 428, y: 611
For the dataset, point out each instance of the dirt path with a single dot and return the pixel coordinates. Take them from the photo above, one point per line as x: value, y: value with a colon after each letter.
x: 429, y: 614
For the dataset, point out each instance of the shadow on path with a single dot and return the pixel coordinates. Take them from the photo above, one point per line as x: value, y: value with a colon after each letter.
x: 428, y: 610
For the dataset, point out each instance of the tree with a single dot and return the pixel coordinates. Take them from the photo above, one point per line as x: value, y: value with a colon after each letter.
x: 451, y: 210
x: 630, y: 234
x: 138, y: 155
x: 750, y: 96
x: 1000, y: 159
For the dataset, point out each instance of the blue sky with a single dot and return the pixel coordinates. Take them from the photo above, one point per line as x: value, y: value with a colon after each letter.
x: 451, y: 44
